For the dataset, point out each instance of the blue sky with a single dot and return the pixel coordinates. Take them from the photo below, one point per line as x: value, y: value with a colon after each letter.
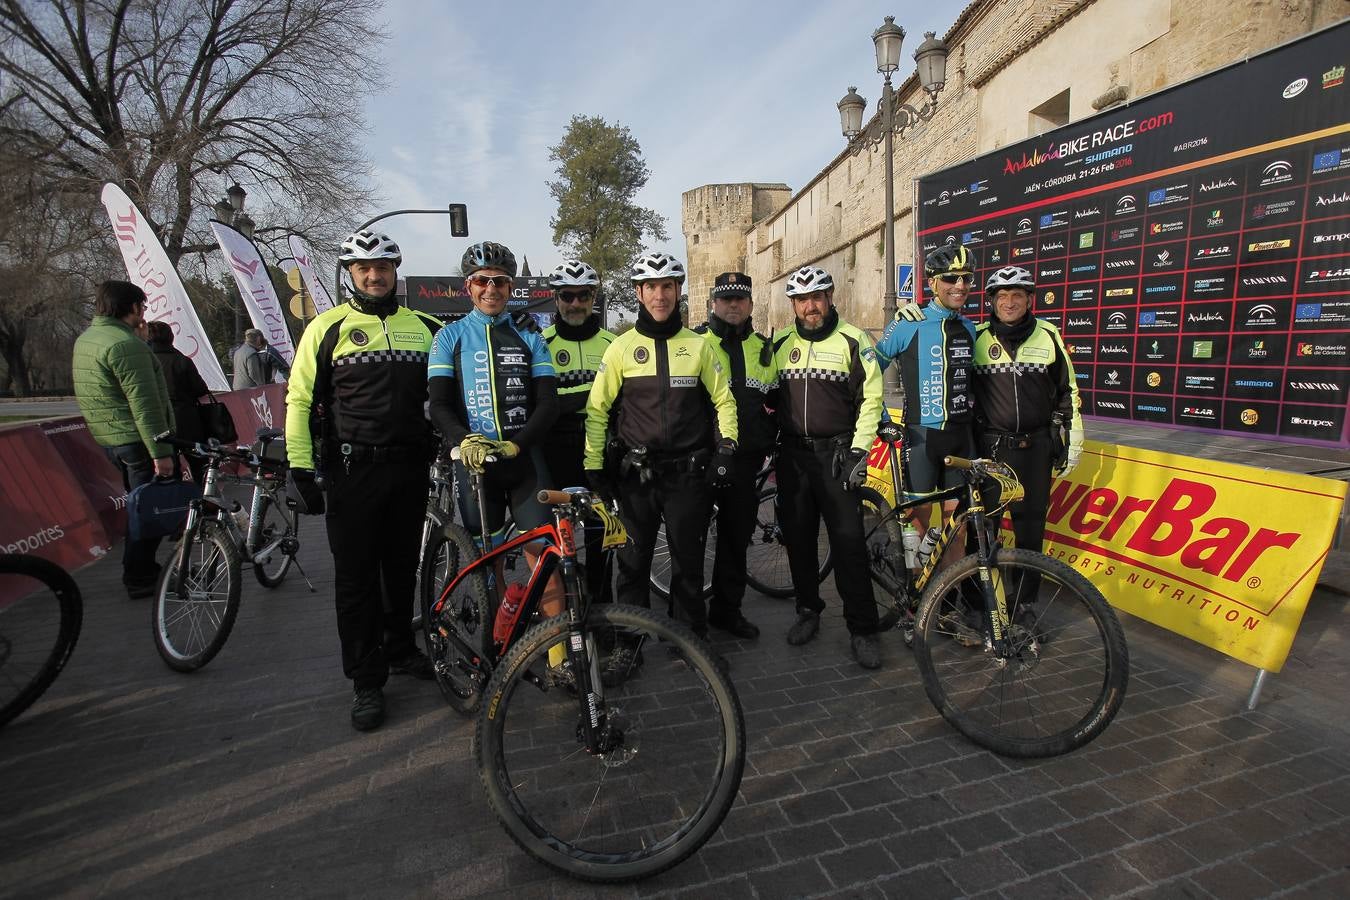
x: 713, y: 91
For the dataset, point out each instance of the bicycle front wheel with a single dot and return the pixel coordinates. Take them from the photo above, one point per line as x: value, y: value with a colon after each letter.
x: 197, y: 599
x: 279, y: 524
x: 673, y: 754
x: 464, y: 614
x: 1065, y: 674
x: 766, y: 559
x: 885, y: 558
x: 40, y: 616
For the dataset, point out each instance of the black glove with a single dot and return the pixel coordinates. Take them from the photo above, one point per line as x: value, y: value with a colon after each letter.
x: 853, y: 469
x: 601, y: 485
x: 1059, y: 443
x: 304, y: 493
x: 719, y: 469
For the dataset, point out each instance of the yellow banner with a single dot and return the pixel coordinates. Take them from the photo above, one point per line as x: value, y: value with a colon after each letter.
x: 1223, y: 554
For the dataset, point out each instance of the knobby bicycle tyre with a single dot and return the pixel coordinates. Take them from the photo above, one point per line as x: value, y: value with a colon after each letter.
x: 282, y: 523
x: 40, y: 616
x: 766, y: 559
x: 885, y: 558
x: 466, y: 613
x: 1065, y: 678
x: 650, y: 800
x: 191, y: 625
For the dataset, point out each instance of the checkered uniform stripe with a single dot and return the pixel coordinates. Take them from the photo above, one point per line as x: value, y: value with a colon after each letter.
x: 575, y: 377
x: 1011, y: 368
x: 761, y: 386
x: 374, y: 356
x: 813, y: 373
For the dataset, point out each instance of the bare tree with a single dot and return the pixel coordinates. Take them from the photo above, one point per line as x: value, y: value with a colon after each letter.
x: 174, y: 99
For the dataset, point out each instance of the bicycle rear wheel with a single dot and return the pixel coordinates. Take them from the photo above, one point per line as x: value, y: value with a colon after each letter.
x: 278, y: 524
x: 676, y: 751
x: 766, y: 559
x: 661, y: 563
x: 40, y: 616
x: 195, y: 608
x: 885, y: 558
x: 466, y: 614
x: 1065, y: 677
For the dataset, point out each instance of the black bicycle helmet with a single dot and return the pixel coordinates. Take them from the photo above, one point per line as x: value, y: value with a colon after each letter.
x: 950, y: 259
x: 488, y: 255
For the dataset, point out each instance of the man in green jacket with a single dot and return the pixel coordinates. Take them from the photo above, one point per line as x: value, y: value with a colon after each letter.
x: 125, y: 401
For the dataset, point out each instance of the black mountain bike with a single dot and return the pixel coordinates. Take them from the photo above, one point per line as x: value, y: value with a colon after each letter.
x: 40, y: 617
x: 1019, y: 652
x: 603, y: 783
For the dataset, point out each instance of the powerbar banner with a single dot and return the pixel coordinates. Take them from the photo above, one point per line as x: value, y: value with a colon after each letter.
x: 1223, y: 554
x: 167, y: 300
x: 305, y: 263
x: 1193, y: 247
x: 255, y: 286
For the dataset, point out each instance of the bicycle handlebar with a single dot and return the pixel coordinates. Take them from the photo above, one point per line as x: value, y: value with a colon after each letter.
x: 555, y: 498
x: 958, y: 462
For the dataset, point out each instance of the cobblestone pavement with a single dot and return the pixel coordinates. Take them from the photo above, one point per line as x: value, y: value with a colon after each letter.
x: 245, y: 779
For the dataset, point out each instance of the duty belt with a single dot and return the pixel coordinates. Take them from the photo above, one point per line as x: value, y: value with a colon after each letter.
x: 1013, y: 440
x: 392, y: 453
x: 802, y: 442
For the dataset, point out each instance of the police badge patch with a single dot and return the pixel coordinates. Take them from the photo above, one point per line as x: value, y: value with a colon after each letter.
x: 360, y: 338
x: 796, y: 355
x: 640, y: 354
x: 562, y: 357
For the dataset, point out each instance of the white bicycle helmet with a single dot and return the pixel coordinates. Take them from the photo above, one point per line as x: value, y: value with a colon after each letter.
x: 655, y: 266
x: 808, y: 280
x: 366, y: 244
x: 1010, y: 277
x: 574, y: 273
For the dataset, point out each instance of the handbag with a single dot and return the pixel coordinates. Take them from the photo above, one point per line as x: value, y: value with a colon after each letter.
x: 216, y: 421
x: 159, y: 507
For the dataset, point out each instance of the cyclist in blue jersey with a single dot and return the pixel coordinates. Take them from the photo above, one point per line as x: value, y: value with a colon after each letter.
x: 494, y: 393
x: 935, y: 352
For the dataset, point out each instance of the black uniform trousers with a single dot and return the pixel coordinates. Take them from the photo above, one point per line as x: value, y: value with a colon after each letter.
x: 563, y: 455
x: 1029, y: 456
x: 374, y: 519
x: 682, y: 499
x: 737, y: 513
x: 807, y: 493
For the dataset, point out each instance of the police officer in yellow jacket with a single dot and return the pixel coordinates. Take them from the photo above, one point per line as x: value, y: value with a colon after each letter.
x: 752, y: 376
x: 829, y: 406
x: 666, y: 380
x: 1026, y: 398
x: 578, y: 344
x: 365, y: 363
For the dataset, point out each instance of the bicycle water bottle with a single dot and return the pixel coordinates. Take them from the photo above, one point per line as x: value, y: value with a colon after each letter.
x: 910, y: 536
x: 925, y: 548
x: 508, y: 612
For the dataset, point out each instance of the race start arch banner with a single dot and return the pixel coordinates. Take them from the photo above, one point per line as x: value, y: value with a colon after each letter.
x: 1193, y: 246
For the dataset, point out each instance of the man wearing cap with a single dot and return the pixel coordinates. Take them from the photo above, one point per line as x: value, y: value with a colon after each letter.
x: 936, y: 356
x: 829, y: 406
x: 751, y: 374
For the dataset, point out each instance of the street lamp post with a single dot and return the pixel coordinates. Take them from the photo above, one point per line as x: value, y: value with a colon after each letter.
x: 459, y: 227
x: 893, y: 118
x: 230, y: 210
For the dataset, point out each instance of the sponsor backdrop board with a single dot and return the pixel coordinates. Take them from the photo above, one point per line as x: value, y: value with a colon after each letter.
x: 1193, y: 247
x: 447, y: 299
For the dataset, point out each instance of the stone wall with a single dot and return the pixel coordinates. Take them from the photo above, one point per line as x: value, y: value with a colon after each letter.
x: 1007, y: 58
x: 714, y: 219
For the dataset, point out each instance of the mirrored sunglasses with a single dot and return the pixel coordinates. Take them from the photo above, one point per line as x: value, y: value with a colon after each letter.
x: 501, y: 281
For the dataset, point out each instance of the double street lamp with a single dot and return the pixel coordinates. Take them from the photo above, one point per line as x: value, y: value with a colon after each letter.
x: 230, y: 210
x: 892, y: 120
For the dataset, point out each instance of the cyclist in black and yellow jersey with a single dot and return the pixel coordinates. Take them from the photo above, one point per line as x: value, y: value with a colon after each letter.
x: 829, y: 406
x: 577, y: 343
x: 364, y: 364
x: 668, y: 382
x: 753, y: 378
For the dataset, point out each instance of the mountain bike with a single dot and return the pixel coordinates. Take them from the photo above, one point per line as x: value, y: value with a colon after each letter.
x: 1018, y: 652
x: 603, y: 783
x: 40, y: 616
x: 198, y: 595
x: 766, y: 565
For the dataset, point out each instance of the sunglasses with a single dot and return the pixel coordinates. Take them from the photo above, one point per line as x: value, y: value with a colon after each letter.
x: 501, y: 281
x: 576, y: 296
x: 953, y: 279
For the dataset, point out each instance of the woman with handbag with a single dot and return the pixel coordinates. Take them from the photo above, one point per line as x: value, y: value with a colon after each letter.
x: 185, y: 386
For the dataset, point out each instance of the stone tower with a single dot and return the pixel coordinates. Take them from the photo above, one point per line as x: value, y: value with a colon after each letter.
x: 715, y: 218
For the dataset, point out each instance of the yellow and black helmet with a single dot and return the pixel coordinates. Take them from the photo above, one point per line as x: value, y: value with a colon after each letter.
x: 950, y: 259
